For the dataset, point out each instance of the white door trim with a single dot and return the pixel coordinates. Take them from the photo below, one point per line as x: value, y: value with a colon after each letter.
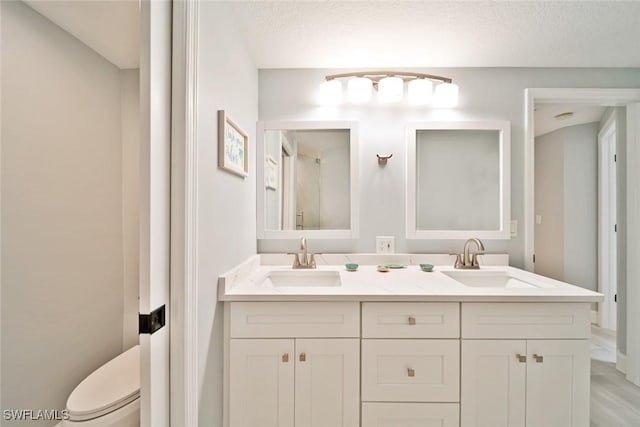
x: 184, y: 218
x: 610, y: 97
x: 607, y: 245
x: 633, y: 242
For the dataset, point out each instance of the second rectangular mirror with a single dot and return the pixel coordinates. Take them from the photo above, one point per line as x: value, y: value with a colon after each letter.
x: 458, y: 180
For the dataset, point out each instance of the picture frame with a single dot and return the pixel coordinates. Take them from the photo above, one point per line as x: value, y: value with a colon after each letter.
x: 271, y: 173
x: 233, y: 146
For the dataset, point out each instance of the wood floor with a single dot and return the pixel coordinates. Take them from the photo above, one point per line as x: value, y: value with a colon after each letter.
x: 615, y: 402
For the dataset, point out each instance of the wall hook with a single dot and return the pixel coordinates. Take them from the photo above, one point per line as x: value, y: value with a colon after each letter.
x: 382, y: 160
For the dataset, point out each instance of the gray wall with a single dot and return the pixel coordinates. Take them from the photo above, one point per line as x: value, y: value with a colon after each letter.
x: 485, y: 93
x: 130, y: 130
x: 621, y: 198
x: 227, y: 80
x: 549, y: 206
x: 566, y: 242
x: 581, y: 205
x: 62, y: 247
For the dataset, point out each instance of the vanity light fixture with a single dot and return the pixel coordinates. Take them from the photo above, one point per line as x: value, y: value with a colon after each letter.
x: 390, y: 86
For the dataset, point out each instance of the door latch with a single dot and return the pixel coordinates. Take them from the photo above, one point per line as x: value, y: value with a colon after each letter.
x: 150, y: 323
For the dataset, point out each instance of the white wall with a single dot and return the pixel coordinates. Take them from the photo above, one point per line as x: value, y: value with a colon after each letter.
x: 485, y: 93
x: 130, y: 131
x: 228, y: 80
x: 62, y: 249
x: 334, y: 187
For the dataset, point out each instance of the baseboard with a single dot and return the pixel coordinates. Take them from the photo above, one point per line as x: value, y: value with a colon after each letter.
x: 594, y: 317
x: 621, y: 362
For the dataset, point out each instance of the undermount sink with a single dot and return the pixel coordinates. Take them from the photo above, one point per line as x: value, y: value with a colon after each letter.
x: 489, y: 279
x: 304, y: 278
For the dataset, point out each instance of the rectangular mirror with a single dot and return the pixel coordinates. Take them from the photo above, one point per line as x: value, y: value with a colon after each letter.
x: 307, y: 180
x: 458, y: 180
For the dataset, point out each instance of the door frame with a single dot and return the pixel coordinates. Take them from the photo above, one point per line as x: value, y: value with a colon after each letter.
x: 184, y: 215
x: 609, y: 97
x: 607, y: 214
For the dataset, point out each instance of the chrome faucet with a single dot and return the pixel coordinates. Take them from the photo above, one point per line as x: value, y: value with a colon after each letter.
x: 302, y: 259
x: 467, y: 260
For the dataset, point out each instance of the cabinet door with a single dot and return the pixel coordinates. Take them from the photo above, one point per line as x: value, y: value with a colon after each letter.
x: 558, y: 383
x: 493, y: 383
x: 327, y: 383
x: 261, y: 383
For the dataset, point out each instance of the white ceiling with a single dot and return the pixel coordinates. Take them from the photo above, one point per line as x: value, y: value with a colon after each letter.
x: 353, y: 34
x: 343, y: 34
x: 110, y: 27
x: 546, y: 122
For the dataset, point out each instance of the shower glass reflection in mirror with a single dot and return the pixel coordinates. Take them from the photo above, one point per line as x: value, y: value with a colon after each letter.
x: 313, y: 191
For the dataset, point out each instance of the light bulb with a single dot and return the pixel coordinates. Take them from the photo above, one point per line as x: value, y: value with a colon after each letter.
x: 330, y: 92
x: 359, y: 90
x: 420, y: 91
x: 446, y: 95
x: 390, y: 89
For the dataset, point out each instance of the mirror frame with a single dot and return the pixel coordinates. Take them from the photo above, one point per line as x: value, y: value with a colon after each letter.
x: 504, y: 232
x: 354, y: 190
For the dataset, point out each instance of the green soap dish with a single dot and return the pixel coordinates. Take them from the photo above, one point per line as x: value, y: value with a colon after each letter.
x: 351, y: 267
x: 396, y: 266
x: 426, y: 267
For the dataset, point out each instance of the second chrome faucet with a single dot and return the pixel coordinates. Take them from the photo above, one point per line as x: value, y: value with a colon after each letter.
x: 302, y: 259
x: 468, y: 260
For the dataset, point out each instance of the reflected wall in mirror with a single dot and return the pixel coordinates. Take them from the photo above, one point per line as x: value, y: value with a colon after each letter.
x: 458, y: 180
x: 308, y: 184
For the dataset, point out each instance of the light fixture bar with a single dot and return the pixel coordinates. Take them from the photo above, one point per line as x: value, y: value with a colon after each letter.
x: 376, y: 76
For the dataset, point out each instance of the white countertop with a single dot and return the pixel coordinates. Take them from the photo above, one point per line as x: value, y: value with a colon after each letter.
x: 247, y: 282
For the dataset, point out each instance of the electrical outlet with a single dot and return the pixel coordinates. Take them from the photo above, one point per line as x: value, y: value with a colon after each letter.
x: 385, y: 244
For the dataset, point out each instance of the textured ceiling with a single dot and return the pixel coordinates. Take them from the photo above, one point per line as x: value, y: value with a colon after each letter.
x: 546, y: 122
x: 110, y: 27
x: 353, y: 34
x: 339, y: 34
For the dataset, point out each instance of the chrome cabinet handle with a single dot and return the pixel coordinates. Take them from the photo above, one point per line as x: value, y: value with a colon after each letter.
x: 521, y: 358
x: 411, y: 372
x: 538, y: 358
x: 285, y: 357
x: 303, y: 357
x: 412, y: 320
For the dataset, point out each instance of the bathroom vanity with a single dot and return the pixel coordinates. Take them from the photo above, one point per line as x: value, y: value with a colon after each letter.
x: 494, y: 347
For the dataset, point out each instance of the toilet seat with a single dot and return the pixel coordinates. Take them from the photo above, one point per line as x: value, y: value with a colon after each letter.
x: 109, y: 388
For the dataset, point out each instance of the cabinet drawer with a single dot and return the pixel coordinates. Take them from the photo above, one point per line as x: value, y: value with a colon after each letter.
x: 525, y: 320
x: 410, y: 370
x: 410, y: 320
x: 295, y: 319
x: 410, y: 414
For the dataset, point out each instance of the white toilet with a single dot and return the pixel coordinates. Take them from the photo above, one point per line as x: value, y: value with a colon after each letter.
x: 110, y: 396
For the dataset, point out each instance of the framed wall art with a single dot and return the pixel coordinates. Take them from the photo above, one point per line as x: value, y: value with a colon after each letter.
x: 233, y: 146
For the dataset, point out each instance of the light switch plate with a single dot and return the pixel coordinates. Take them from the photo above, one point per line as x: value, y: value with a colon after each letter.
x: 514, y: 228
x: 385, y: 244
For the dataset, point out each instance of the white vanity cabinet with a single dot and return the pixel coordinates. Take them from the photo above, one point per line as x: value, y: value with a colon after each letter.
x: 294, y: 364
x: 407, y: 364
x: 410, y: 364
x: 525, y: 364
